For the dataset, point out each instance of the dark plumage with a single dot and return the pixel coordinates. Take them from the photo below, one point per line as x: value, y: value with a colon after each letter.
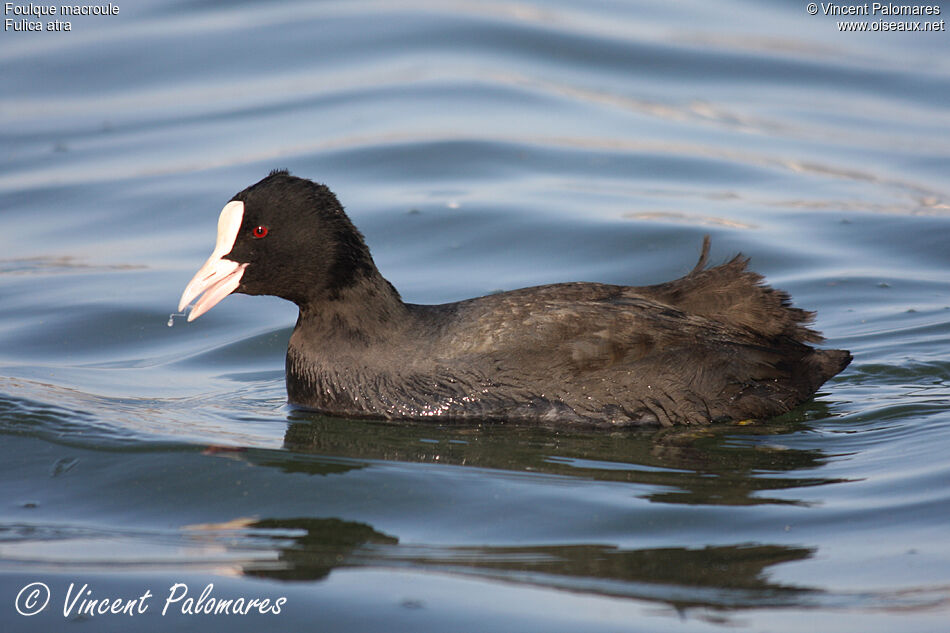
x: 715, y: 345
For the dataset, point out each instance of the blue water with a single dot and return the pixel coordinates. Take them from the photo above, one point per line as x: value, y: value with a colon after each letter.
x: 479, y: 147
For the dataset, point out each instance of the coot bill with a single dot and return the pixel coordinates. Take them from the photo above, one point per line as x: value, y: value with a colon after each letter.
x: 714, y: 345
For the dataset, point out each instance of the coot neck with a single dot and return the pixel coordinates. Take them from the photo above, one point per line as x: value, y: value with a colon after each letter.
x: 367, y: 311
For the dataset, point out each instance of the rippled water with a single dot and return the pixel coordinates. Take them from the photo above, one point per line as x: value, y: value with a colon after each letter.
x: 479, y: 146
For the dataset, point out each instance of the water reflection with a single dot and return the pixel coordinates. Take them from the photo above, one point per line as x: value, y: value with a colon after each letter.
x: 716, y: 465
x: 730, y: 576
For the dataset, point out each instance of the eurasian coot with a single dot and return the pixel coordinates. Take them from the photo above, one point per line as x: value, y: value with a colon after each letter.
x: 715, y: 345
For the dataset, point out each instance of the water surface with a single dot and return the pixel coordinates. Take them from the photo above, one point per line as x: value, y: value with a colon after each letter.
x: 479, y: 147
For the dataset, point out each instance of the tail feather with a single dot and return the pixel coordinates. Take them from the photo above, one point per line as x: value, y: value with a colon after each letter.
x: 826, y: 363
x: 731, y: 293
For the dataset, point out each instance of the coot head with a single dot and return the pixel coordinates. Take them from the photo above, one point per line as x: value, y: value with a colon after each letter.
x: 283, y: 236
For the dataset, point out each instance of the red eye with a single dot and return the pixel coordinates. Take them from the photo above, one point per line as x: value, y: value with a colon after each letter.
x: 259, y: 231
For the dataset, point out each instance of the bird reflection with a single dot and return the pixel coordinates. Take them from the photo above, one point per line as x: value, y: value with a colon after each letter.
x: 723, y: 577
x: 727, y: 465
x: 718, y: 465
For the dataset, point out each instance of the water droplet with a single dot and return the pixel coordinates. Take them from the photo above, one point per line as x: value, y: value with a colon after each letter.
x: 171, y: 317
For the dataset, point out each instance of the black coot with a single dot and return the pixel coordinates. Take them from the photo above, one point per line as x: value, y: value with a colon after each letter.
x: 715, y: 345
